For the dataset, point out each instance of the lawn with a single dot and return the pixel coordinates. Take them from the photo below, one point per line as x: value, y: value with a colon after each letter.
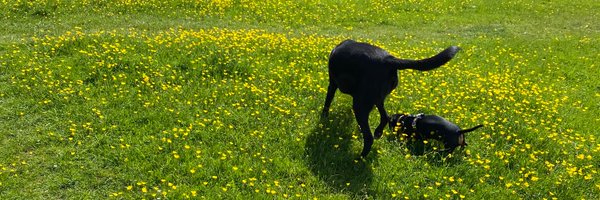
x: 221, y: 99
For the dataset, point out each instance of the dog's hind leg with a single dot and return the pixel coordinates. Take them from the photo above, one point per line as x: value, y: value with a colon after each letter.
x: 383, y: 120
x: 361, y: 113
x: 330, y: 93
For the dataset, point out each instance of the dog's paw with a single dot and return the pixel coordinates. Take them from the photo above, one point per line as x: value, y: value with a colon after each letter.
x: 378, y: 134
x: 324, y: 113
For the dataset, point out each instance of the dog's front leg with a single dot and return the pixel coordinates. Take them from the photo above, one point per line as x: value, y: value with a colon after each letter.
x: 383, y: 120
x: 361, y: 113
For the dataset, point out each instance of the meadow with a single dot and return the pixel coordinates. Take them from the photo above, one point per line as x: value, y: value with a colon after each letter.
x: 221, y: 99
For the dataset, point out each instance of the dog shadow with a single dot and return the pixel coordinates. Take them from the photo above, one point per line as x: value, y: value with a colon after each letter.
x: 331, y: 158
x: 427, y: 152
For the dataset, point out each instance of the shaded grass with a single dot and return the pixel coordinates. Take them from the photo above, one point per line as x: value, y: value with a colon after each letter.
x: 331, y: 157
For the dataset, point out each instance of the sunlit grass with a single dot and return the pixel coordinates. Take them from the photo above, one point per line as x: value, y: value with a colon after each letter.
x: 227, y: 113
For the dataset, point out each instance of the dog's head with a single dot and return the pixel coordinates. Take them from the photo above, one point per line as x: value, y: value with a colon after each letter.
x: 395, y: 124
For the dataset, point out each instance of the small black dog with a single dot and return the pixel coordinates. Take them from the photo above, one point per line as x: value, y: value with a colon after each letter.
x: 423, y: 127
x: 369, y: 73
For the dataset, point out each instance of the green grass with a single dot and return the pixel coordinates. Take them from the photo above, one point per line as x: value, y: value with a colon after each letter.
x: 221, y: 100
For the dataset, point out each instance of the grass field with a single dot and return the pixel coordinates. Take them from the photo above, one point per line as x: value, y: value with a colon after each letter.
x: 220, y: 99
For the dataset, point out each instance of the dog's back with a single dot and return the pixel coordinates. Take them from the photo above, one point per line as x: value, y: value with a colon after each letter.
x: 351, y: 52
x: 351, y: 63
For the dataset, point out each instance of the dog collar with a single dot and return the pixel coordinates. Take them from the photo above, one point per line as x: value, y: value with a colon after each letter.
x: 403, y: 127
x: 414, y: 122
x: 401, y: 121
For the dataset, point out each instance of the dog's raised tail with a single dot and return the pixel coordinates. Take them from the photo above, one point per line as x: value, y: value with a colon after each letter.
x: 469, y: 130
x: 425, y: 64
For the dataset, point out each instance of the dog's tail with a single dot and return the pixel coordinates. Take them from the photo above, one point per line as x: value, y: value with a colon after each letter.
x: 425, y: 64
x: 469, y: 130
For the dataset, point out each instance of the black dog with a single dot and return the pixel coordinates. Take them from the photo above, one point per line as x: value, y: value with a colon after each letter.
x: 422, y: 127
x: 369, y: 73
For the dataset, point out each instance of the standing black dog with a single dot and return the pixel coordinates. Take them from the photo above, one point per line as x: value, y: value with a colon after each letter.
x: 421, y: 127
x: 368, y: 74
